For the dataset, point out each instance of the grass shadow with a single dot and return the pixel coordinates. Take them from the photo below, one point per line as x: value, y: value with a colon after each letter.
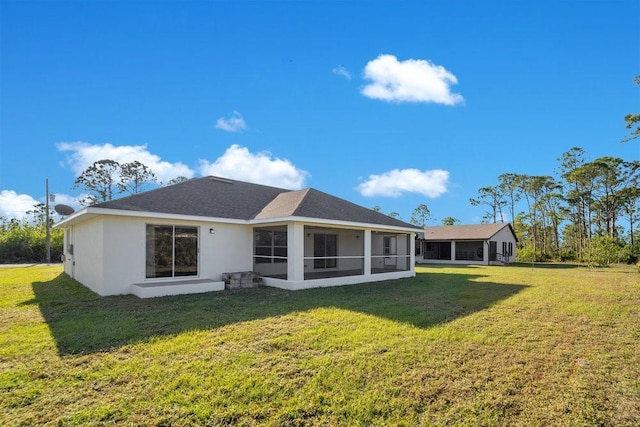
x: 83, y: 322
x: 547, y: 265
x: 447, y: 265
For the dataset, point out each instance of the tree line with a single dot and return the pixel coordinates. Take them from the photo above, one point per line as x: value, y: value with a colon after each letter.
x: 578, y: 216
x: 107, y: 177
x: 590, y: 213
x: 23, y: 240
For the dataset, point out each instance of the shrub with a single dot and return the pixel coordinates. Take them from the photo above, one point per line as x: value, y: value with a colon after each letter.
x: 602, y: 251
x: 527, y: 254
x: 21, y: 243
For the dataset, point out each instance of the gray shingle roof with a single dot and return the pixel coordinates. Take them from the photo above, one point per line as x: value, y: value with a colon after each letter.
x: 311, y: 203
x: 464, y: 232
x: 208, y: 196
x: 226, y: 198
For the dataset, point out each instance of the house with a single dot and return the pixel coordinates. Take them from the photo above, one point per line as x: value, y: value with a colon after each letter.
x: 468, y: 244
x: 185, y: 237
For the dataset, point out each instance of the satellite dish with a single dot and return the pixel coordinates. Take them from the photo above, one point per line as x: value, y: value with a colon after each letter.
x: 64, y: 210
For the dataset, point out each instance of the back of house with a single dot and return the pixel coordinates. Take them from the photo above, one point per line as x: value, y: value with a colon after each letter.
x: 488, y: 244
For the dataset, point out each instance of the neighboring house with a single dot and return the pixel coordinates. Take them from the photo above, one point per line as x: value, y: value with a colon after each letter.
x: 184, y: 237
x: 468, y: 244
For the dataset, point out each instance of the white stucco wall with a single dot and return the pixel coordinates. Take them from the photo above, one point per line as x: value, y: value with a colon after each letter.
x: 67, y: 258
x: 336, y: 281
x: 505, y: 235
x: 85, y: 264
x: 109, y: 251
x: 228, y: 250
x: 124, y: 254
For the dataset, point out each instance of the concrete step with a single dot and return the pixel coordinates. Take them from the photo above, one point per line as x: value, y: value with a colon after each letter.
x: 175, y: 287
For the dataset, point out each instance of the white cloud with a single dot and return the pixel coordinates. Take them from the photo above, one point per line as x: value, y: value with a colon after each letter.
x: 432, y: 183
x: 14, y: 205
x: 341, y: 71
x: 235, y: 123
x: 262, y: 168
x: 84, y: 155
x: 413, y: 80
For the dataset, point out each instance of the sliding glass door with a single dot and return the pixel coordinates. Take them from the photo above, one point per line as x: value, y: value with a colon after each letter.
x: 171, y: 251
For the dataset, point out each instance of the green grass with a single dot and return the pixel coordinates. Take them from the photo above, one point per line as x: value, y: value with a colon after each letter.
x: 554, y: 345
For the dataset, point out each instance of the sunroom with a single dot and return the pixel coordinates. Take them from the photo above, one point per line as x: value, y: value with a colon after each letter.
x: 297, y: 256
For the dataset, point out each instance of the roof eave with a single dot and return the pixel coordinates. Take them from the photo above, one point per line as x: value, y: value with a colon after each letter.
x: 333, y: 223
x: 472, y: 238
x: 91, y: 212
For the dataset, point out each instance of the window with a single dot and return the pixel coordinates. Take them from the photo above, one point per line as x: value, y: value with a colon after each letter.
x: 437, y: 250
x: 389, y: 245
x: 270, y: 246
x: 493, y: 250
x: 325, y: 246
x: 507, y: 249
x: 172, y: 251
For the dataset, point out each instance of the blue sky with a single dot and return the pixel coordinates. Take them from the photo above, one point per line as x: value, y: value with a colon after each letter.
x: 389, y: 104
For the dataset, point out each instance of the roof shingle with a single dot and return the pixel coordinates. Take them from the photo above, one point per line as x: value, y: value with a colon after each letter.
x: 225, y: 198
x: 464, y: 232
x: 208, y: 196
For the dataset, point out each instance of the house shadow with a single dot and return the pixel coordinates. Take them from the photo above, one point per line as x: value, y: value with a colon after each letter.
x: 548, y: 265
x: 443, y: 265
x: 541, y: 265
x: 83, y: 322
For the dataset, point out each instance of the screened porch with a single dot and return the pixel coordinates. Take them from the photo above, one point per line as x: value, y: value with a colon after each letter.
x: 330, y: 252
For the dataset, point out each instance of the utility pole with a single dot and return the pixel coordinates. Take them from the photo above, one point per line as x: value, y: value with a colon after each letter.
x: 48, y: 235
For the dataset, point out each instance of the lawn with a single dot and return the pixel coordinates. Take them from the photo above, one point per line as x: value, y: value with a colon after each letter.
x: 516, y: 345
